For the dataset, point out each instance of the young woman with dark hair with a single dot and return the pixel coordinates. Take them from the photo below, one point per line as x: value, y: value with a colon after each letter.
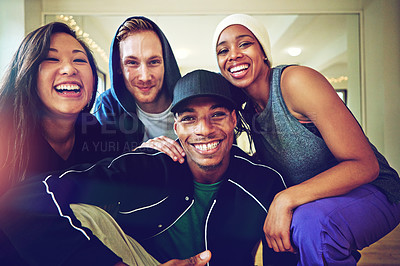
x: 46, y: 96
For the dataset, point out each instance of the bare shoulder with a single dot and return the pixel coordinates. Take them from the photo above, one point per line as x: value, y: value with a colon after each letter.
x: 304, y: 88
x: 300, y: 76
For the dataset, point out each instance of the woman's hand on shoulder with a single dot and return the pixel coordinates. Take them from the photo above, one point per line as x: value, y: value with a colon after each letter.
x: 167, y: 146
x: 306, y: 91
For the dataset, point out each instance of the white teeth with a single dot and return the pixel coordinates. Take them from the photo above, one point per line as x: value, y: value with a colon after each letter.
x: 67, y: 87
x: 239, y: 68
x: 207, y: 147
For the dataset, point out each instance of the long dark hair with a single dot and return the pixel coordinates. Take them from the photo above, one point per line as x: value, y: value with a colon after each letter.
x: 20, y: 105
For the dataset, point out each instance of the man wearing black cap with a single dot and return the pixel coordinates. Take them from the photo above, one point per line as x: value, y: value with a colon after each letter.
x: 217, y: 200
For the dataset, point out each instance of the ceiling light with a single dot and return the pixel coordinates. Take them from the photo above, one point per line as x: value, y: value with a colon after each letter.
x: 70, y: 21
x: 294, y: 51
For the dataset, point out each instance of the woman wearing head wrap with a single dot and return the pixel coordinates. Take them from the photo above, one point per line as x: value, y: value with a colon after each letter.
x: 343, y: 195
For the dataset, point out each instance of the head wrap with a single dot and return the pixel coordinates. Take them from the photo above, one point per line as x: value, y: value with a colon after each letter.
x: 256, y: 27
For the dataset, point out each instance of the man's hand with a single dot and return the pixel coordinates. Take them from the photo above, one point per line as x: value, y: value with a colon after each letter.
x: 121, y: 264
x: 199, y: 260
x: 277, y: 225
x: 167, y: 146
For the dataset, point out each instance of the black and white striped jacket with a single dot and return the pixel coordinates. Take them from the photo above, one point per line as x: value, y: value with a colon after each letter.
x: 151, y: 192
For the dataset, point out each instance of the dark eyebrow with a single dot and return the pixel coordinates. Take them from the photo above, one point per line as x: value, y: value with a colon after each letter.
x: 73, y: 51
x: 237, y: 37
x: 155, y: 57
x: 221, y: 43
x: 215, y: 106
x: 130, y: 57
x: 185, y: 110
x: 191, y: 110
x: 79, y: 51
x: 150, y: 58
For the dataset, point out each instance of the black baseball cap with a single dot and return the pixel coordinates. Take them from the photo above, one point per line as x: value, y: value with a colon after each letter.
x: 200, y: 83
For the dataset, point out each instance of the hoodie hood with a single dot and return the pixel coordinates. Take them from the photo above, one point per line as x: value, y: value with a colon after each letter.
x: 118, y: 88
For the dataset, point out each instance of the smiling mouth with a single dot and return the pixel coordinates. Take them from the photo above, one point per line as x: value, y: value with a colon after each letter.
x: 68, y: 88
x: 144, y: 88
x: 207, y: 146
x: 239, y: 68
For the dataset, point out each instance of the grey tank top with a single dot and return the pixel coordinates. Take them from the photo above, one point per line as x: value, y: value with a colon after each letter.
x: 296, y: 151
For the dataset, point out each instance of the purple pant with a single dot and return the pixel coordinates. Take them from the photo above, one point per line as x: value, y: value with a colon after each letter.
x: 330, y: 229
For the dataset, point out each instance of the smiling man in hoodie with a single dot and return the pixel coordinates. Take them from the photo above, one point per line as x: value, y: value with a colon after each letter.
x: 143, y: 72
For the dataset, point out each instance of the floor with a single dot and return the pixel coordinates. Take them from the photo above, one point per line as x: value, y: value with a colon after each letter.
x: 385, y: 252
